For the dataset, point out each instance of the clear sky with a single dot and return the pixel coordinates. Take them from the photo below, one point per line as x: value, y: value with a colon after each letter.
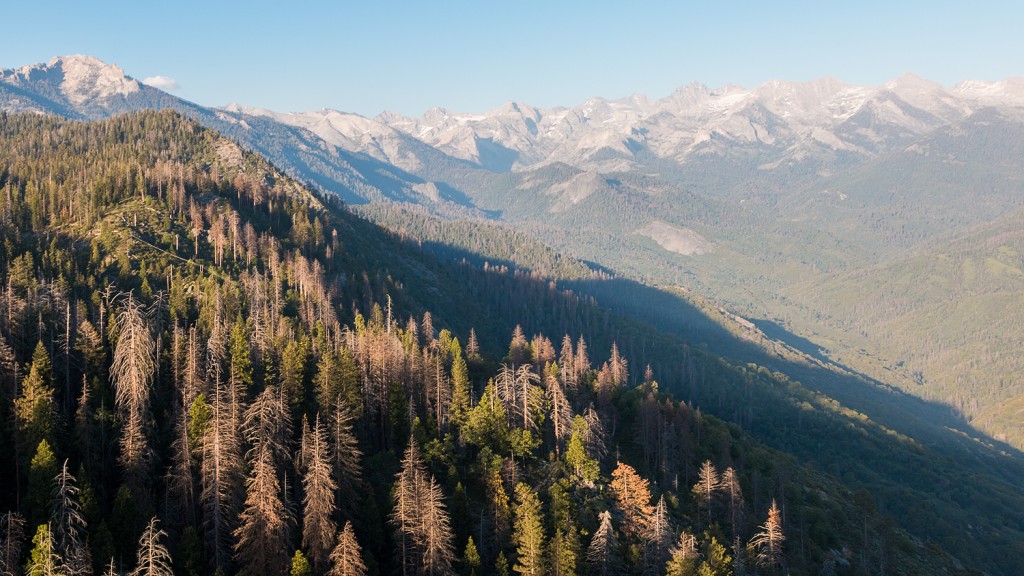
x: 471, y: 56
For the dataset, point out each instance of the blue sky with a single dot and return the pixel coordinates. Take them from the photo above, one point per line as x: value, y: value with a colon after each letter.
x: 408, y: 56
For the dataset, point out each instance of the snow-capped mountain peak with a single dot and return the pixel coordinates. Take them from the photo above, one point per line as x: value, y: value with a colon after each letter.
x: 74, y: 85
x: 88, y: 78
x: 1008, y: 92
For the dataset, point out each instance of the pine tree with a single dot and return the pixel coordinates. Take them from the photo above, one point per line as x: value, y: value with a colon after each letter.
x: 8, y: 373
x: 436, y: 532
x: 131, y: 373
x: 327, y: 380
x: 632, y: 499
x: 181, y: 485
x: 421, y: 521
x: 499, y: 504
x: 89, y: 344
x: 739, y: 567
x: 426, y: 329
x: 716, y: 559
x: 347, y: 460
x: 594, y: 439
x: 460, y: 385
x: 501, y: 564
x: 293, y: 372
x: 347, y: 559
x: 657, y: 538
x: 153, y: 559
x: 683, y: 560
x: 318, y: 505
x: 518, y: 348
x: 566, y: 363
x: 41, y: 472
x: 470, y: 559
x: 349, y: 375
x: 506, y: 390
x: 221, y: 465
x: 564, y: 550
x: 68, y: 525
x: 84, y: 426
x: 767, y: 543
x: 706, y: 488
x: 472, y: 346
x: 487, y: 424
x: 730, y: 485
x: 619, y: 367
x: 300, y: 565
x: 268, y: 426
x: 543, y: 350
x: 262, y: 535
x: 12, y: 532
x: 35, y: 410
x: 44, y: 559
x: 581, y: 362
x: 529, y: 397
x: 529, y: 533
x: 585, y: 470
x: 438, y: 387
x: 561, y: 412
x: 240, y: 369
x: 603, y: 558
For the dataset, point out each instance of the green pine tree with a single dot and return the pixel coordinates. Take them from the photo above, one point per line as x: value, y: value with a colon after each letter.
x: 529, y: 532
x: 41, y: 472
x: 35, y: 409
x: 241, y: 372
x: 470, y: 559
x: 460, y: 384
x: 300, y: 565
x: 564, y: 550
x: 44, y: 560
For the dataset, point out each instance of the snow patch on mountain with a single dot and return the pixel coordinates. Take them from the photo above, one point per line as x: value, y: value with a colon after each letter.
x: 88, y: 78
x: 1008, y: 92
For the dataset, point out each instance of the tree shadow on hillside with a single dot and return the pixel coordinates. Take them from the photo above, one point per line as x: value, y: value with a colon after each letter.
x: 932, y: 423
x: 776, y: 331
x: 921, y: 461
x: 767, y: 344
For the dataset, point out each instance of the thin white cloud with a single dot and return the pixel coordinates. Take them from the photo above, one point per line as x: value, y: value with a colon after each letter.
x: 162, y: 82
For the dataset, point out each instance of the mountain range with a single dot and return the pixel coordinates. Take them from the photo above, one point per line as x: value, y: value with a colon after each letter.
x: 785, y: 122
x: 778, y: 124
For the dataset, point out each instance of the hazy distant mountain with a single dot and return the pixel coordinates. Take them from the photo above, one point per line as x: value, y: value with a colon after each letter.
x: 781, y: 120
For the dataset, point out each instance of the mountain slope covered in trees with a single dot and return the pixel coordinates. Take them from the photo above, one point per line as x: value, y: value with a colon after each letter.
x: 205, y: 368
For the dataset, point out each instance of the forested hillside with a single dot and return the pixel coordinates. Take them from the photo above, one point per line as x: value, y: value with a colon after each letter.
x: 909, y: 478
x: 206, y: 369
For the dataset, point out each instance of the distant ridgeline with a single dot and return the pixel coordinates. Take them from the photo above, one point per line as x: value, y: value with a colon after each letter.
x: 207, y: 369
